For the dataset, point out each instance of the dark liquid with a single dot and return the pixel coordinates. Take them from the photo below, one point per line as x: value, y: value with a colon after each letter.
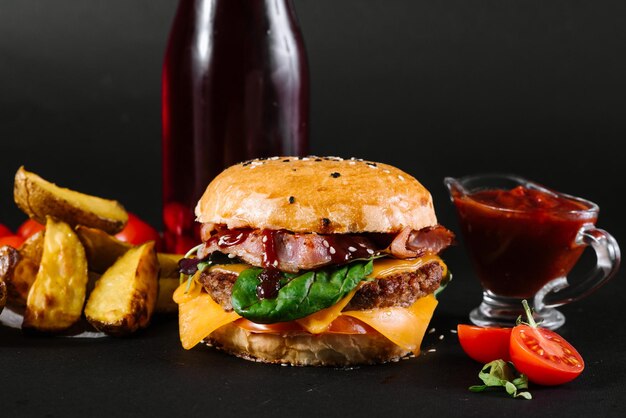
x: 521, y: 239
x: 235, y: 87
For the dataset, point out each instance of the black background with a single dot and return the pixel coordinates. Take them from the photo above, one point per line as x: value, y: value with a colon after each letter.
x: 437, y: 88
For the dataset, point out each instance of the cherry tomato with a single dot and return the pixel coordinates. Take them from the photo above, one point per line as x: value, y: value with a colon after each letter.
x: 544, y: 356
x: 137, y: 231
x: 29, y: 227
x: 484, y: 344
x: 14, y: 241
x: 4, y: 231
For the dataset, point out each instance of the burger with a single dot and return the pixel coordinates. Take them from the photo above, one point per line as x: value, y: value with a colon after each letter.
x: 313, y: 261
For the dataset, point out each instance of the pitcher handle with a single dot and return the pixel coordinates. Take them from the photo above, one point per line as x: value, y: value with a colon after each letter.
x: 558, y: 292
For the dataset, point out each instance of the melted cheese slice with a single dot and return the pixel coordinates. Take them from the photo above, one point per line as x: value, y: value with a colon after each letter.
x: 402, y: 326
x: 389, y: 266
x: 320, y: 321
x: 200, y: 315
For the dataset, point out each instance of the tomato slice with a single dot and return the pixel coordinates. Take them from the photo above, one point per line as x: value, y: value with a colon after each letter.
x: 544, y: 356
x: 484, y: 344
x: 277, y: 327
x: 341, y: 325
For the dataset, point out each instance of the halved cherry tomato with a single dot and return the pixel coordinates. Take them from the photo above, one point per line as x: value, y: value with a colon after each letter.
x: 14, y: 241
x: 4, y: 231
x: 484, y: 344
x: 544, y: 356
x: 29, y: 227
x: 137, y: 231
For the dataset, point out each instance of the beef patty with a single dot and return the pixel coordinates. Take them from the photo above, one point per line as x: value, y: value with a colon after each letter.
x: 401, y: 289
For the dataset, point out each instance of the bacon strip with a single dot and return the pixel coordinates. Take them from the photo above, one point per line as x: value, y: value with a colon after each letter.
x: 295, y: 252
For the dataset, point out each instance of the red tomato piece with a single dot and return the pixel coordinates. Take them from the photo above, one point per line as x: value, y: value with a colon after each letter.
x: 14, y: 241
x: 544, y: 356
x: 137, y: 231
x: 484, y: 344
x: 29, y: 227
x: 4, y: 231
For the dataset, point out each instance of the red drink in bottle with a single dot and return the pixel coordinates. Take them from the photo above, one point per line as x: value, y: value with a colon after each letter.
x: 235, y: 86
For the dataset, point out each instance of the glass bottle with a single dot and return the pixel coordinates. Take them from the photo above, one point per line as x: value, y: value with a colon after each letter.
x: 235, y: 86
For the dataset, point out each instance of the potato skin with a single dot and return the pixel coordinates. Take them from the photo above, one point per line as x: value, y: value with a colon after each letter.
x: 125, y: 295
x: 22, y: 274
x: 56, y: 298
x: 9, y: 257
x: 39, y: 198
x: 101, y: 248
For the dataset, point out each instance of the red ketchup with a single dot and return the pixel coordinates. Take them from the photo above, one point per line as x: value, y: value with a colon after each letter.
x: 521, y: 239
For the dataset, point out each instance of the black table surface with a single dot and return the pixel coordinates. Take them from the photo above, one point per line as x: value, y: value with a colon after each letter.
x: 151, y: 374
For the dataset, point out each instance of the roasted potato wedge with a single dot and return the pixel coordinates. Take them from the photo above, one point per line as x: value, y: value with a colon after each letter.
x: 169, y: 280
x: 101, y: 248
x: 9, y: 257
x: 3, y: 294
x: 21, y: 276
x: 56, y: 298
x: 125, y: 296
x: 39, y: 198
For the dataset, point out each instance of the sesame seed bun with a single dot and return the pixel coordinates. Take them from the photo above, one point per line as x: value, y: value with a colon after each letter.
x: 322, y: 195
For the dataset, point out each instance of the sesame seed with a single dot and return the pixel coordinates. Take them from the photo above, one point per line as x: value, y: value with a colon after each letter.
x: 441, y: 337
x: 347, y: 257
x: 386, y: 171
x: 335, y: 175
x: 240, y: 235
x: 361, y: 245
x: 453, y: 331
x: 432, y: 350
x: 291, y: 199
x: 325, y: 221
x: 305, y: 159
x: 286, y: 161
x: 318, y: 160
x: 351, y: 249
x: 274, y: 158
x: 275, y: 263
x: 370, y: 252
x: 432, y: 330
x: 401, y: 178
x: 352, y: 163
x: 373, y: 165
x: 231, y: 255
x: 264, y: 239
x: 326, y: 244
x: 332, y: 250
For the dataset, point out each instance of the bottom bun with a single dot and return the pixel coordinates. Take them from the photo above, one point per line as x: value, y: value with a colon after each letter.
x: 303, y: 349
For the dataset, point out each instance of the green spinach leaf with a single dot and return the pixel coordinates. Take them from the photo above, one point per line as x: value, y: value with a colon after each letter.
x: 300, y: 295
